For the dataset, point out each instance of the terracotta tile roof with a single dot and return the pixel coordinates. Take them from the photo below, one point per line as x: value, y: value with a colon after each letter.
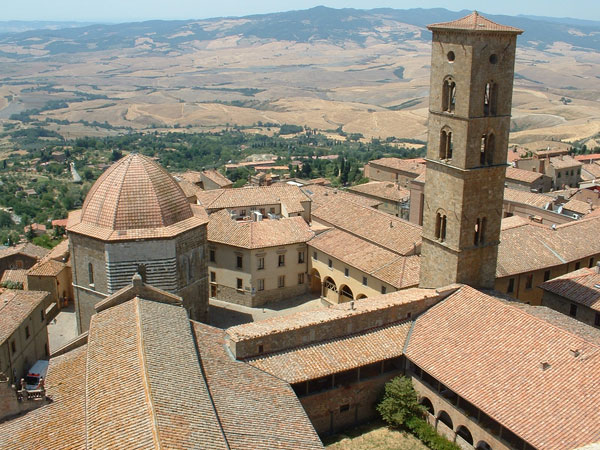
x: 190, y: 176
x: 379, y: 228
x: 47, y: 268
x: 382, y: 189
x: 256, y: 410
x: 335, y: 355
x: 526, y: 246
x: 284, y: 194
x: 217, y: 178
x: 578, y: 206
x: 525, y: 176
x: 564, y: 162
x: 135, y: 193
x: 474, y: 22
x: 392, y: 268
x: 60, y: 252
x: 590, y: 157
x: 593, y: 170
x: 415, y: 166
x: 266, y: 233
x: 495, y: 361
x: 188, y: 188
x: 59, y: 425
x: 27, y: 249
x: 421, y: 178
x: 323, y: 194
x: 15, y: 307
x: 338, y: 312
x: 527, y: 198
x: 16, y: 276
x: 581, y: 286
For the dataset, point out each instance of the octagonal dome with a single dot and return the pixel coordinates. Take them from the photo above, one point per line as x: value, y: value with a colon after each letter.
x: 135, y: 193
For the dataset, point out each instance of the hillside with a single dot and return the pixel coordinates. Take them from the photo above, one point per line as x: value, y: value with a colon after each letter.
x: 364, y: 71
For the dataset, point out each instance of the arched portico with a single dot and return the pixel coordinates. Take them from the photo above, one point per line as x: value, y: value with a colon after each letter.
x: 428, y: 405
x: 359, y: 296
x: 330, y: 291
x: 315, y: 282
x: 346, y: 294
x: 465, y: 434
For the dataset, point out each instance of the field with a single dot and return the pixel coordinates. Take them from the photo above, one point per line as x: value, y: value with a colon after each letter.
x: 378, y: 89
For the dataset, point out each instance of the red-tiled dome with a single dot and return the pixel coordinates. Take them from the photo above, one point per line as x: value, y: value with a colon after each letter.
x: 135, y: 193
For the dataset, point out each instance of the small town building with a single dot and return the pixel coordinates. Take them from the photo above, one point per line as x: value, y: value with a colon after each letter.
x: 396, y: 170
x: 527, y: 180
x: 213, y: 179
x: 395, y: 200
x: 21, y: 256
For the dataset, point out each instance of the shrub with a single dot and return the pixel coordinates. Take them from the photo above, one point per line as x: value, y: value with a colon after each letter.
x: 427, y: 434
x: 400, y: 402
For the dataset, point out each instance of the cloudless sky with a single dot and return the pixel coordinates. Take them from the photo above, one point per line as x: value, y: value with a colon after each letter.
x: 137, y: 10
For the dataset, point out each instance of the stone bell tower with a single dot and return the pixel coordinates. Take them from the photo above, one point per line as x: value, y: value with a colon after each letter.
x: 472, y: 71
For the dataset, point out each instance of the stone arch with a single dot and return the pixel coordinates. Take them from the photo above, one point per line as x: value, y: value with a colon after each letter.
x: 330, y: 290
x: 464, y: 433
x: 315, y: 282
x: 445, y: 143
x: 448, y: 94
x: 346, y: 293
x: 428, y: 405
x: 488, y: 146
x: 482, y: 445
x: 359, y: 296
x: 444, y: 417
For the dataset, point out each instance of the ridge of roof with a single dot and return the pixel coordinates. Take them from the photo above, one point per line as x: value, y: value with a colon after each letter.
x: 474, y: 22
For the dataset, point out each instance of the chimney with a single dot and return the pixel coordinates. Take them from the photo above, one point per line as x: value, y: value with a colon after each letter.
x: 352, y: 305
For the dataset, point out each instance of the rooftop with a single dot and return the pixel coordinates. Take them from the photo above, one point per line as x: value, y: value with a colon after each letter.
x: 382, y: 189
x: 27, y: 249
x: 135, y: 194
x: 46, y: 268
x: 216, y: 177
x: 322, y: 194
x: 525, y: 176
x: 415, y: 165
x: 16, y: 276
x: 564, y: 162
x: 250, y: 234
x: 581, y: 286
x: 15, y: 307
x: 527, y: 198
x: 474, y: 22
x: 534, y: 376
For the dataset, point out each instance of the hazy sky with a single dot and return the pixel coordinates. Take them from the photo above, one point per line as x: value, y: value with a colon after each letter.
x: 135, y: 10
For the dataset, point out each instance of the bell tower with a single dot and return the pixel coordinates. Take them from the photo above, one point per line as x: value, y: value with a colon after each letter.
x: 472, y: 71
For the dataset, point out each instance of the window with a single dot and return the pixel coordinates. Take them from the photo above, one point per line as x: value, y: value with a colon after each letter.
x: 281, y: 261
x: 243, y: 213
x: 573, y: 310
x: 314, y: 255
x: 91, y: 274
x: 364, y: 281
x: 272, y: 210
x: 27, y: 332
x: 261, y: 285
x: 13, y: 347
x: 490, y: 99
x: 383, y: 289
x: 344, y: 408
x: 240, y: 262
x: 559, y: 175
x: 529, y: 282
x: 346, y: 272
x: 440, y: 227
x: 511, y: 286
x: 330, y: 263
x: 546, y: 275
x: 212, y: 256
x: 486, y: 156
x: 239, y: 283
x: 479, y: 237
x: 577, y: 265
x: 281, y: 281
x: 300, y: 257
x: 448, y: 95
x: 301, y: 278
x: 591, y: 263
x: 445, y: 144
x: 42, y: 315
x: 261, y: 348
x: 261, y: 263
x: 213, y: 277
x: 597, y: 319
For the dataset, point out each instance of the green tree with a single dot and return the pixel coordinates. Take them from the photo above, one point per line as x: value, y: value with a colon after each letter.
x: 400, y: 402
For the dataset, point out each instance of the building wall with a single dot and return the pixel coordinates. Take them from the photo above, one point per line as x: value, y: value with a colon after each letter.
x: 60, y: 287
x: 18, y: 261
x: 533, y: 295
x: 561, y: 304
x: 543, y: 184
x: 28, y: 349
x: 227, y: 273
x: 375, y: 172
x: 336, y: 272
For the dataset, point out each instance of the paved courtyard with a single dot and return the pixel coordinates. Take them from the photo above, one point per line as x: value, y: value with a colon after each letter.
x: 62, y: 329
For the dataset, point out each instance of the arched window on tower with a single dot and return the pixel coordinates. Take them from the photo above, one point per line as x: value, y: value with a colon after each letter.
x: 448, y: 95
x: 479, y: 236
x: 440, y: 227
x: 490, y: 99
x: 90, y: 274
x: 446, y: 144
x: 486, y: 155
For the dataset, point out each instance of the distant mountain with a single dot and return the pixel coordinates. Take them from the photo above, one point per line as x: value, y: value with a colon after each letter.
x: 564, y: 20
x: 19, y: 26
x: 320, y: 23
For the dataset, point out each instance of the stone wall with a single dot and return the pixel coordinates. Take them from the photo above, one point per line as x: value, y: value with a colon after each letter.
x: 561, y: 304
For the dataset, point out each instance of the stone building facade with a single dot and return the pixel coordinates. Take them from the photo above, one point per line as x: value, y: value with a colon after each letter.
x: 137, y: 219
x: 472, y: 71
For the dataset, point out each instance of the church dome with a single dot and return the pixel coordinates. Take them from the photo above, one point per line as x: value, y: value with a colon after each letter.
x: 135, y: 193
